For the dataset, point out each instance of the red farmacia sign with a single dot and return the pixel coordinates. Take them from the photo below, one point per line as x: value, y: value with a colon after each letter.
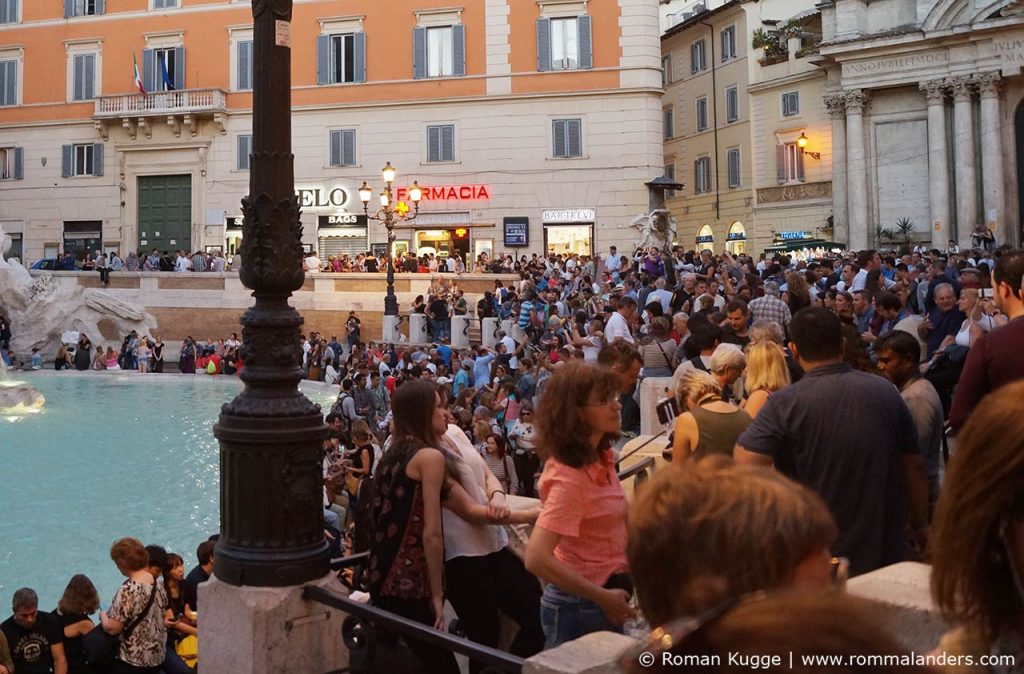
x: 447, y: 192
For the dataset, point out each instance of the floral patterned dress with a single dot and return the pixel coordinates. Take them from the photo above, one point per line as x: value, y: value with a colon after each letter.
x: 146, y: 646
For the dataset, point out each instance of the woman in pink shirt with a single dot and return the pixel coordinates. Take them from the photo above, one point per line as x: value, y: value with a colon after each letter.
x: 578, y: 547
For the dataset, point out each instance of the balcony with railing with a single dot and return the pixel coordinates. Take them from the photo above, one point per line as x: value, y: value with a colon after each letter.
x: 179, y: 109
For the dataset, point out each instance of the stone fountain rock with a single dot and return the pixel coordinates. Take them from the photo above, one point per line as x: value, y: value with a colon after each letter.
x: 40, y: 310
x: 19, y: 397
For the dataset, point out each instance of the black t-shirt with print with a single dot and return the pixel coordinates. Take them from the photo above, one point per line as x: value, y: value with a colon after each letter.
x: 30, y: 648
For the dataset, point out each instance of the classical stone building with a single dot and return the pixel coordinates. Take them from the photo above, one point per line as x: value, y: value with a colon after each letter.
x: 927, y: 123
x: 535, y: 124
x: 741, y: 90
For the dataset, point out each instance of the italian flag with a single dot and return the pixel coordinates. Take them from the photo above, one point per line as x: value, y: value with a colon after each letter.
x: 138, y: 77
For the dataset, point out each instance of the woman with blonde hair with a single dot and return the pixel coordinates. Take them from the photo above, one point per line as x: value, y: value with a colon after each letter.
x: 978, y: 540
x: 578, y: 546
x: 709, y: 425
x: 766, y: 373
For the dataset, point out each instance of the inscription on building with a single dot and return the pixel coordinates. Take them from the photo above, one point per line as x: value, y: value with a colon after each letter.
x: 896, y: 63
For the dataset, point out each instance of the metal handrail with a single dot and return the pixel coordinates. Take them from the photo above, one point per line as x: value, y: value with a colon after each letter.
x: 641, y: 467
x: 489, y: 657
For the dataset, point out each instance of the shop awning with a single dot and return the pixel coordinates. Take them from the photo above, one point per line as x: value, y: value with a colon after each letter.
x: 800, y: 244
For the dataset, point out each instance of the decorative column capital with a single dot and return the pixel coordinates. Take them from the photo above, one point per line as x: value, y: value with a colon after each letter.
x: 836, y: 105
x: 963, y: 88
x: 934, y: 91
x: 856, y: 100
x: 989, y: 84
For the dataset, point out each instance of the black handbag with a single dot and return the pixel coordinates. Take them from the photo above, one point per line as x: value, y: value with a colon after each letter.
x: 100, y: 647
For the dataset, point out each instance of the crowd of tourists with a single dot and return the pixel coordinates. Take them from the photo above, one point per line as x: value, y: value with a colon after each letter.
x: 847, y: 374
x: 150, y: 625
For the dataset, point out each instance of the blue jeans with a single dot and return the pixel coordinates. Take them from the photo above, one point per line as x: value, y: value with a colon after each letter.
x: 565, y: 617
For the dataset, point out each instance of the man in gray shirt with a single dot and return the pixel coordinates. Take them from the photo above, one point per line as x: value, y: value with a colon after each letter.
x: 898, y: 355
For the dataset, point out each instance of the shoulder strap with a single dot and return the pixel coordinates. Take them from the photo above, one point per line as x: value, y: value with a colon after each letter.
x: 130, y: 627
x: 664, y: 355
x: 699, y: 364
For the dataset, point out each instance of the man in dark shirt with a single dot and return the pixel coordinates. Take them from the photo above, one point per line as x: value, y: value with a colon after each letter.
x: 200, y: 574
x: 738, y: 316
x: 35, y: 637
x: 849, y: 436
x: 995, y: 359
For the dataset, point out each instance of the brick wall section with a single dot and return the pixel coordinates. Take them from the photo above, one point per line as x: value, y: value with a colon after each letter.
x: 191, y: 282
x: 177, y: 323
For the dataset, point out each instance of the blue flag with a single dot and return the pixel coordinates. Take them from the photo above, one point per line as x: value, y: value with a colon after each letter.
x: 168, y: 83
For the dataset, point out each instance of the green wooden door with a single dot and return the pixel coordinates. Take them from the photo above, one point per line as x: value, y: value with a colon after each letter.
x: 165, y: 213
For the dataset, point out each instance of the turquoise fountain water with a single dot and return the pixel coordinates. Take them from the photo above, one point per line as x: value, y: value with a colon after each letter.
x: 107, y: 456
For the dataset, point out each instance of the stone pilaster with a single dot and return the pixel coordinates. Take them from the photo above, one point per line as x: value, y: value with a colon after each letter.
x: 836, y: 105
x: 856, y: 168
x: 938, y: 162
x: 965, y: 159
x: 992, y: 157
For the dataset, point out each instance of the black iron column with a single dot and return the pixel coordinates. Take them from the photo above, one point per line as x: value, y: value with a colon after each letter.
x: 391, y: 300
x: 272, y: 522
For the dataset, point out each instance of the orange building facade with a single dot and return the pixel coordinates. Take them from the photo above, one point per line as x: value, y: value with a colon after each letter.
x: 534, y: 124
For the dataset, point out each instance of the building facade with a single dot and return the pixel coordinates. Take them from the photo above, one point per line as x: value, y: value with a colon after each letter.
x: 927, y: 122
x: 726, y: 132
x: 532, y: 126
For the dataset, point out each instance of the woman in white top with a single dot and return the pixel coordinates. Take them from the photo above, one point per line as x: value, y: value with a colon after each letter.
x: 979, y: 318
x: 483, y: 575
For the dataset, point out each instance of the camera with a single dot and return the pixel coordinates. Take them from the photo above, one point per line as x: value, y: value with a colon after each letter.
x: 668, y: 410
x: 986, y: 293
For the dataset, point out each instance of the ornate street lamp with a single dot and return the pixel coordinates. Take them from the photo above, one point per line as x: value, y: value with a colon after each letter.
x: 388, y: 214
x: 271, y: 481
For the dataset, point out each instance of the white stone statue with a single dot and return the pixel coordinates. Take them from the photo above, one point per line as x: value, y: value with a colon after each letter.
x: 657, y: 230
x: 40, y: 309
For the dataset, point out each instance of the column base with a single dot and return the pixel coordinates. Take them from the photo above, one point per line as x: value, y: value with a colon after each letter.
x: 270, y: 630
x: 390, y: 330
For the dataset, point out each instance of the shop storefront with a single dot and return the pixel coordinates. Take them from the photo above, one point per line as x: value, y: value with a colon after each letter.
x: 569, y: 230
x: 443, y: 242
x: 341, y: 234
x: 801, y: 242
x: 82, y: 236
x: 705, y: 239
x: 736, y: 239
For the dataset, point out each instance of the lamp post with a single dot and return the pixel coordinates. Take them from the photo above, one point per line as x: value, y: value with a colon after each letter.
x: 388, y: 214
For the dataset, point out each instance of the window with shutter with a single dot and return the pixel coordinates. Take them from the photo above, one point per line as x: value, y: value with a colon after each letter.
x: 83, y: 160
x: 698, y: 56
x: 84, y: 77
x: 244, y: 150
x: 791, y: 103
x: 702, y: 113
x: 702, y: 175
x: 342, y: 59
x: 6, y: 163
x: 732, y: 104
x: 668, y: 123
x: 8, y: 82
x: 732, y: 156
x: 567, y: 138
x: 9, y: 11
x: 729, y: 43
x: 544, y: 44
x: 440, y: 51
x: 243, y: 53
x: 441, y: 143
x: 343, y: 147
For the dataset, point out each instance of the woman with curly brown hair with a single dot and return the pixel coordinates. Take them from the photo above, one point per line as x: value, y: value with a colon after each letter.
x: 79, y: 601
x: 978, y: 539
x: 578, y: 546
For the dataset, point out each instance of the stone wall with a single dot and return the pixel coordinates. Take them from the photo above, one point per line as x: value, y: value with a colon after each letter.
x: 209, y: 305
